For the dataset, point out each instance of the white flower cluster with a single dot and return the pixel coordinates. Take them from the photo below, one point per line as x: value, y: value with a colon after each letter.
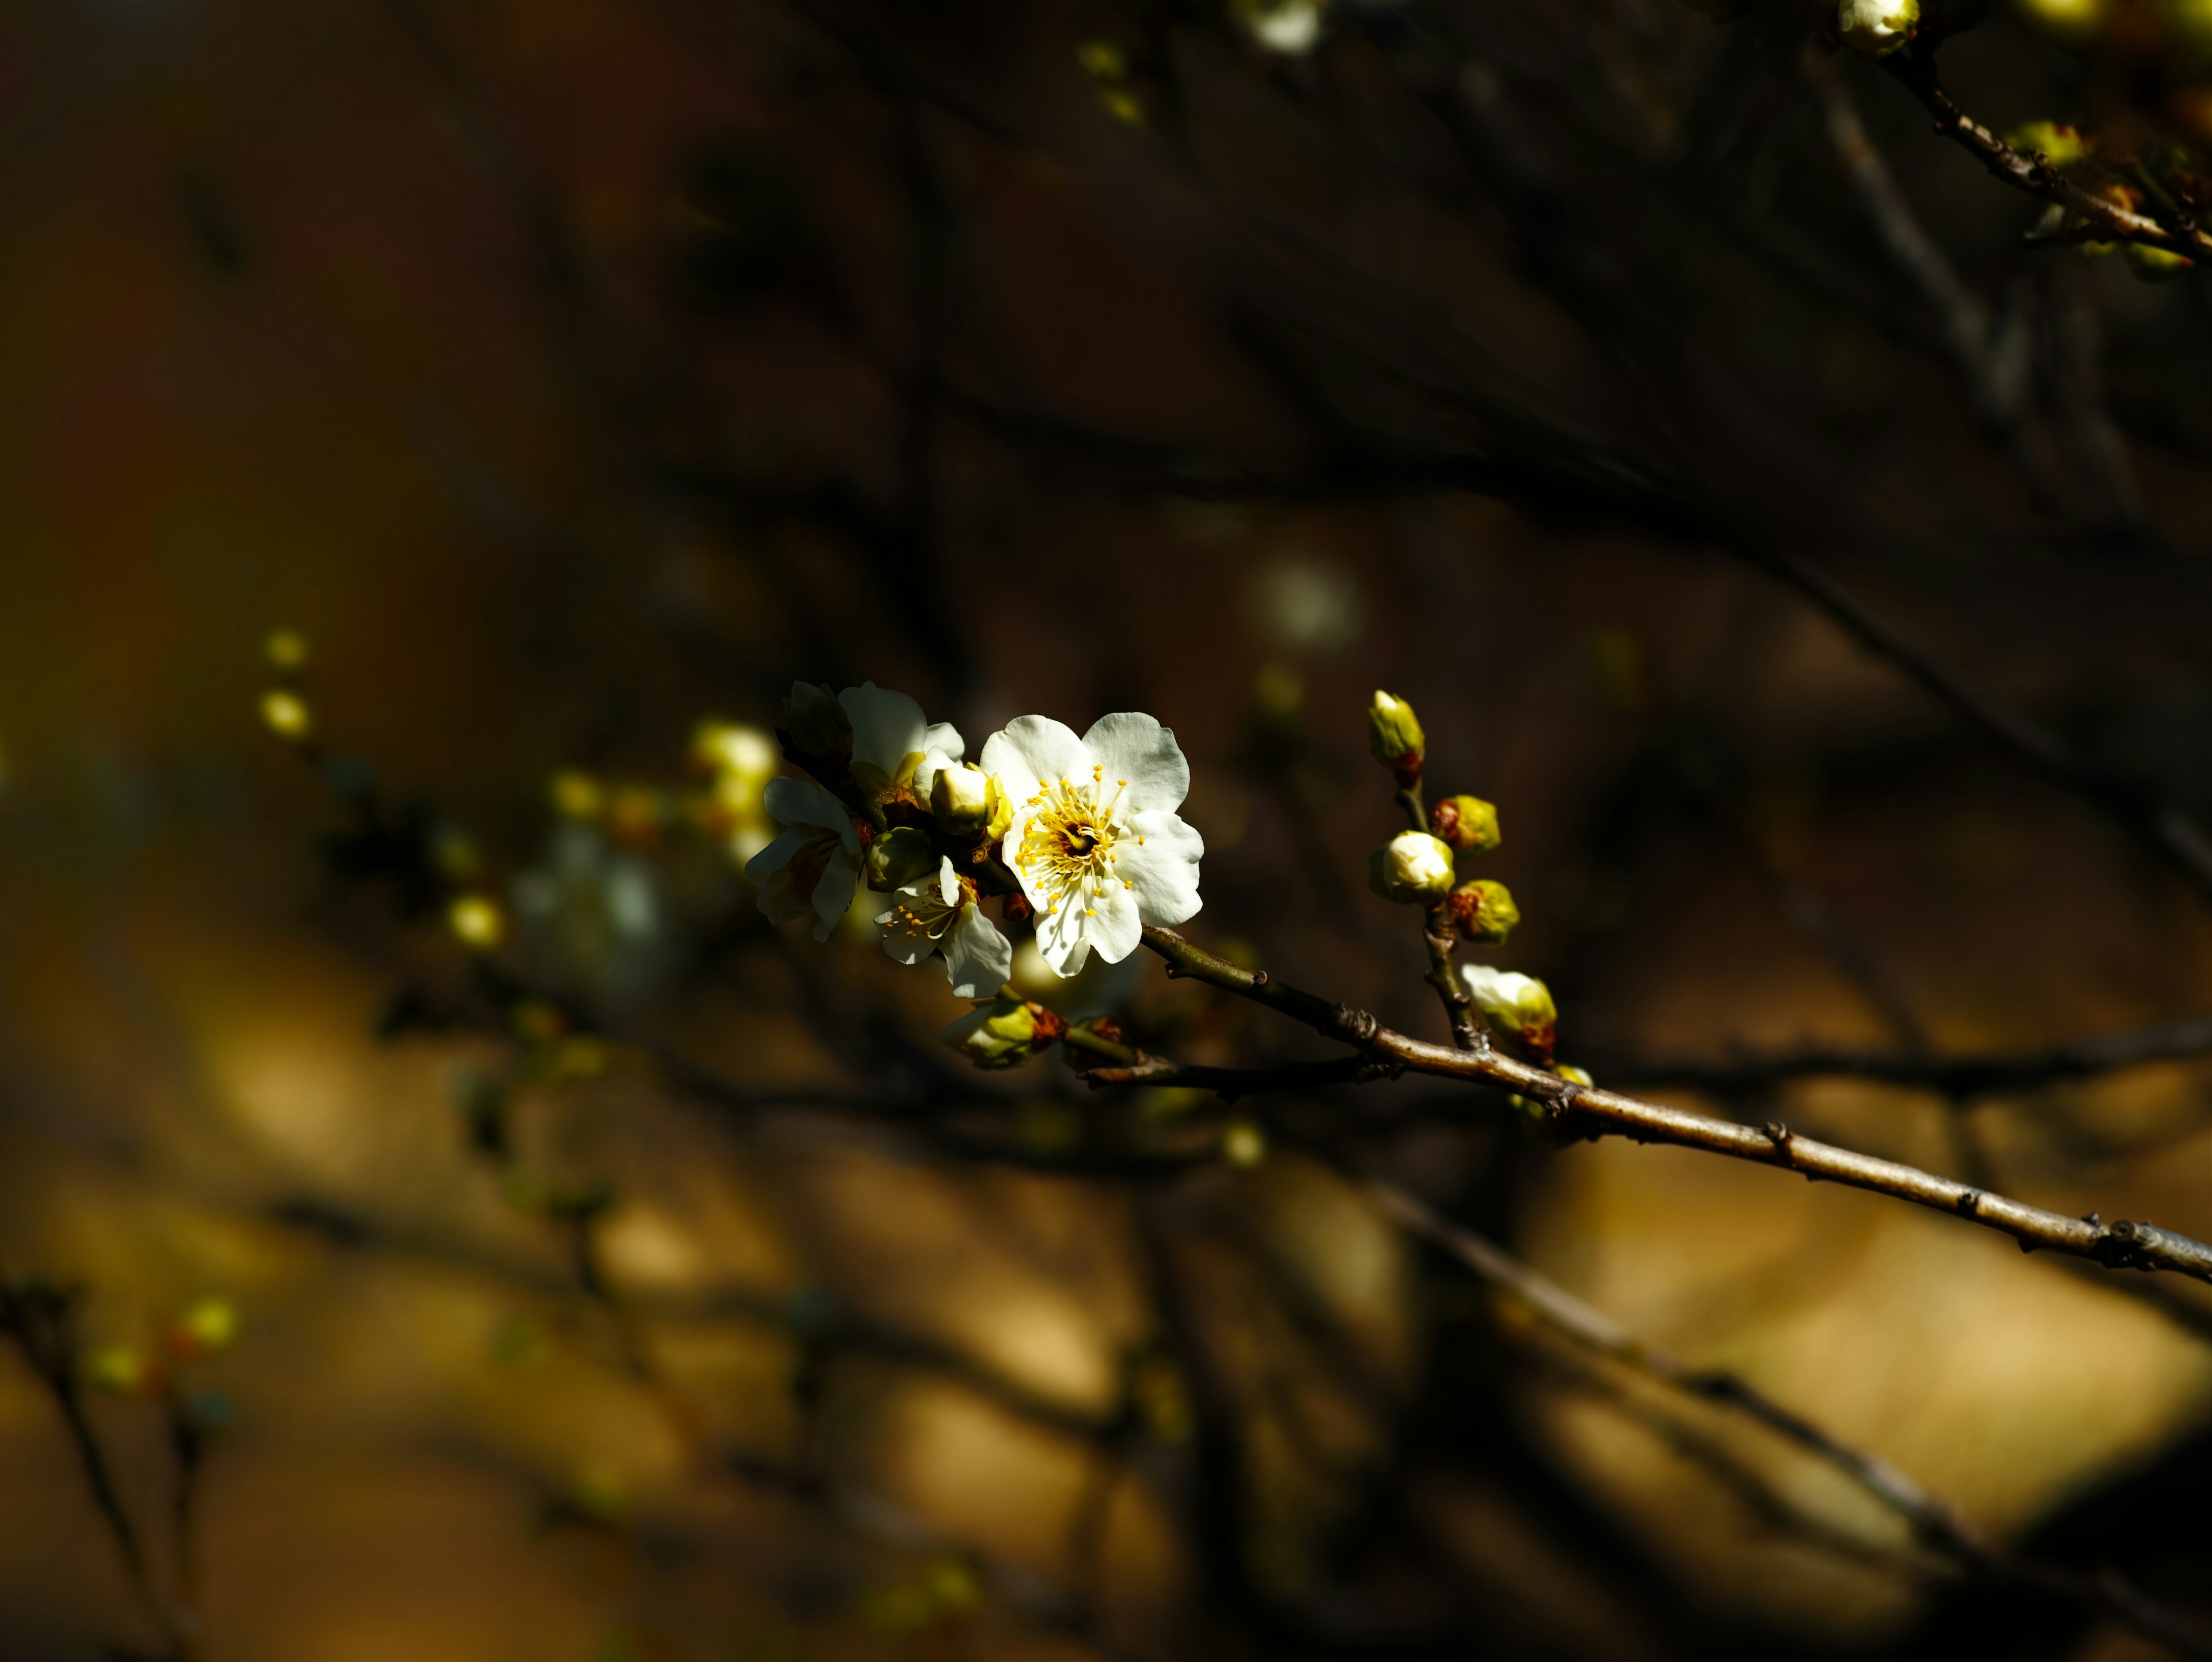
x: 1084, y: 830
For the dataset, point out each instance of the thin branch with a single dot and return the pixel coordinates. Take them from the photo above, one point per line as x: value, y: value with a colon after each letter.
x: 1933, y: 1523
x: 1587, y: 1111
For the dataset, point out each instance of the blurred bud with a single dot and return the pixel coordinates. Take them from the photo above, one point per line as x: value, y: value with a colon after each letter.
x: 1413, y: 866
x: 817, y: 722
x: 1876, y: 27
x: 1290, y: 26
x: 206, y: 1327
x: 2071, y: 20
x: 286, y: 714
x: 961, y: 798
x: 900, y: 856
x: 1393, y: 734
x: 476, y: 922
x: 2060, y: 146
x: 734, y: 747
x: 1484, y: 911
x: 1005, y: 1032
x: 1518, y: 1006
x: 120, y: 1370
x: 1015, y: 908
x: 1468, y: 823
x: 576, y: 795
x: 2154, y: 265
x: 285, y: 651
x: 1244, y: 1145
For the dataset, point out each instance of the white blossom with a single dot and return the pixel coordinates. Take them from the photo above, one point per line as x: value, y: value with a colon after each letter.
x: 939, y: 913
x: 814, y: 865
x: 1095, y: 838
x: 895, y: 752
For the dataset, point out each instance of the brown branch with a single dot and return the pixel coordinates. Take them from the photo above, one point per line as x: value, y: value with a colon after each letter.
x: 1933, y: 1523
x: 1587, y: 1111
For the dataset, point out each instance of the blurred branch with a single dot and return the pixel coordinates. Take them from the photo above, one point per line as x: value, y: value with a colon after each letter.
x: 1579, y: 1111
x: 1933, y: 1521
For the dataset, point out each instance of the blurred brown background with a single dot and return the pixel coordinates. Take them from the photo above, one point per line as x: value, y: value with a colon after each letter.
x: 566, y: 372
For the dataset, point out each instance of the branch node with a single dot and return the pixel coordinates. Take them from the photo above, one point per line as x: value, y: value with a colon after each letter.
x: 1971, y: 1202
x: 1779, y: 1135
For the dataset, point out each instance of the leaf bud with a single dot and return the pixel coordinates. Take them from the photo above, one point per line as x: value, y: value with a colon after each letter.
x: 1412, y: 866
x: 963, y: 798
x: 1005, y: 1032
x: 1466, y: 823
x: 1518, y: 1006
x: 900, y: 856
x: 817, y: 722
x: 1483, y: 910
x: 1877, y: 27
x: 1394, y: 734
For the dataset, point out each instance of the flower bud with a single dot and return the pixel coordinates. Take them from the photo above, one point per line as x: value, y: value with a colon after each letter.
x: 2154, y: 265
x: 1393, y: 734
x: 817, y: 722
x: 732, y: 747
x: 1244, y: 1144
x: 1413, y: 866
x: 1484, y: 911
x: 902, y: 855
x: 961, y: 798
x: 285, y: 713
x: 1518, y: 1006
x: 1877, y: 27
x: 1466, y: 822
x: 1005, y: 1032
x: 2060, y: 146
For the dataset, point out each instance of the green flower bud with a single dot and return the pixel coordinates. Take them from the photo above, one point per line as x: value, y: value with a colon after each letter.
x: 2155, y: 264
x: 1518, y: 1006
x: 1466, y: 822
x: 2060, y: 146
x: 1877, y: 27
x: 902, y: 855
x: 817, y: 722
x: 963, y: 798
x: 1484, y: 911
x: 1412, y: 866
x: 1005, y: 1032
x: 1393, y: 734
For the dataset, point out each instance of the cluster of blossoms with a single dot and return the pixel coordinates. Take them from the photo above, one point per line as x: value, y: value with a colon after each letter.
x: 1074, y: 837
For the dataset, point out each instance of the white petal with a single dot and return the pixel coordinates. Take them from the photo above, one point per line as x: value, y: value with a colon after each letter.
x: 887, y: 727
x: 1017, y: 828
x: 948, y: 887
x: 977, y: 958
x: 1164, y: 866
x: 833, y: 895
x: 944, y: 737
x: 803, y: 802
x: 1035, y: 751
x: 777, y: 855
x: 1131, y: 745
x: 935, y: 759
x: 1061, y: 941
x: 908, y: 949
x: 779, y: 901
x: 1114, y: 927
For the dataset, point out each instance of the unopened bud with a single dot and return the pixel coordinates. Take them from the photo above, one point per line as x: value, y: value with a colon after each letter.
x: 1518, y: 1006
x: 902, y: 855
x: 817, y: 722
x: 2060, y: 146
x: 732, y: 747
x: 2154, y: 265
x: 1877, y: 27
x: 961, y: 798
x: 1484, y: 911
x: 1468, y: 823
x: 477, y: 921
x: 1006, y: 1032
x: 1413, y: 866
x: 1393, y: 734
x: 285, y: 713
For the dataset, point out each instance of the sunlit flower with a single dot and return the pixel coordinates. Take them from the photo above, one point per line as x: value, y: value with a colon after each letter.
x: 895, y: 753
x: 1095, y: 838
x: 1878, y: 27
x: 939, y: 913
x: 814, y: 866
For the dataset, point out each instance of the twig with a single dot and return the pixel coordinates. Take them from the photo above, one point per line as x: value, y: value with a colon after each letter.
x: 1587, y: 1111
x: 1933, y: 1523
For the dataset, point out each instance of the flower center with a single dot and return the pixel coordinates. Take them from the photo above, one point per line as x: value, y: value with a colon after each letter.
x: 1069, y: 846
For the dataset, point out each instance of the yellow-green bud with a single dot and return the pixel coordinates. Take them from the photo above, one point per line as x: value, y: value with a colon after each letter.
x: 1518, y: 1006
x: 1393, y: 734
x: 1877, y: 27
x: 2155, y: 264
x: 962, y: 798
x: 817, y: 722
x: 1413, y: 866
x: 2060, y: 146
x: 1484, y: 911
x: 1244, y: 1144
x: 1005, y: 1032
x: 1466, y: 823
x: 900, y: 857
